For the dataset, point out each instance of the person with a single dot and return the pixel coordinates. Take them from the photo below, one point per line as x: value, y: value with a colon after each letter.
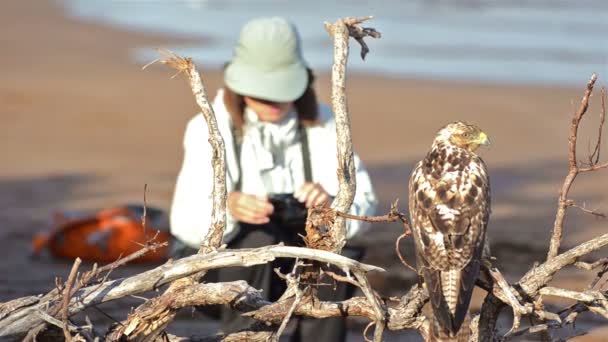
x: 280, y: 150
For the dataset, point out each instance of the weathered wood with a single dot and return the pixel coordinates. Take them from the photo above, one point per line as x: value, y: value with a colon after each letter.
x: 531, y: 283
x: 24, y: 319
x: 340, y: 31
x: 213, y: 238
x: 150, y: 319
x: 247, y: 335
x: 242, y: 297
x: 346, y: 163
x: 573, y: 171
x: 15, y: 304
x: 541, y: 275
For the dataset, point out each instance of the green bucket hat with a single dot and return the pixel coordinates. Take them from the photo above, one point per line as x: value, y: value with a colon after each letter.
x: 268, y: 62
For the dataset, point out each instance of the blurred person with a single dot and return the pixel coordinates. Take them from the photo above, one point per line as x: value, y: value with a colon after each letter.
x: 280, y: 159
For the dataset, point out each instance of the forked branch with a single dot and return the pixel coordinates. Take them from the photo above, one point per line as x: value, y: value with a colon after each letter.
x: 340, y: 31
x: 562, y: 202
x: 213, y: 238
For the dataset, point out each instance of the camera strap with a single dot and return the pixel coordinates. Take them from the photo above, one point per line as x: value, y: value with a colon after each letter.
x: 305, y: 154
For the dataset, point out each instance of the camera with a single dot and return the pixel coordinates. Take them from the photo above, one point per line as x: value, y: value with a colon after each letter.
x: 288, y: 211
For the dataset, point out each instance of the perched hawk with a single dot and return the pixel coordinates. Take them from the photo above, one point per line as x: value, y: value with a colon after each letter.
x: 449, y: 207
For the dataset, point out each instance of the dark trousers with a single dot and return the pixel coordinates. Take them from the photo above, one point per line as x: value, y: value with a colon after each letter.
x: 262, y: 277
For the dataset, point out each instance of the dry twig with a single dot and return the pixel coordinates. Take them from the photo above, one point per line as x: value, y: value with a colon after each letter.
x: 344, y: 279
x: 531, y: 283
x: 293, y: 282
x: 571, y: 203
x: 144, y: 215
x: 562, y: 203
x: 65, y: 304
x: 594, y: 157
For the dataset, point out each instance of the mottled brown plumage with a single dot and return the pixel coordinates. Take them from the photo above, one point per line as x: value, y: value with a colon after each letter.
x: 449, y: 208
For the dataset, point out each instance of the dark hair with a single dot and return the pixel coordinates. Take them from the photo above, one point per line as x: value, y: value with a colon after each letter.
x: 306, y: 106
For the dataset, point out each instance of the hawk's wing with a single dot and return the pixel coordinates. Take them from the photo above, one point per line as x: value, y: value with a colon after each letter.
x: 449, y: 207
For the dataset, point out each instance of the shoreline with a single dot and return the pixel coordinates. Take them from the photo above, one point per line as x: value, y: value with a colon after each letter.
x: 453, y: 42
x: 185, y: 41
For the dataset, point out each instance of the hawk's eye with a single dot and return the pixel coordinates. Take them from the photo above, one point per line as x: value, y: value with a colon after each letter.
x: 466, y: 135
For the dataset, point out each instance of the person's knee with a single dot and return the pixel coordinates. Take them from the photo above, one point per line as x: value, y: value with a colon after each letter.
x: 253, y: 238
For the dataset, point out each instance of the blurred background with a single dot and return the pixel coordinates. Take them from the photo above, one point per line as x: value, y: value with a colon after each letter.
x: 83, y: 127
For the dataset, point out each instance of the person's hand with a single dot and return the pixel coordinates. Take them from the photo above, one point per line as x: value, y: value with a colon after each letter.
x: 312, y: 194
x: 249, y: 208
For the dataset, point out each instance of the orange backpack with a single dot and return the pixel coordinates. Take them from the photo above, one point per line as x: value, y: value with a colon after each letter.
x: 104, y: 236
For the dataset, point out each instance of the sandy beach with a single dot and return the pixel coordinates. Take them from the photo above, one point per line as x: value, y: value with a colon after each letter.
x: 82, y: 126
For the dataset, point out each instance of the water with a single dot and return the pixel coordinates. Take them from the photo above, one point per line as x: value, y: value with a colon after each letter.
x: 536, y: 42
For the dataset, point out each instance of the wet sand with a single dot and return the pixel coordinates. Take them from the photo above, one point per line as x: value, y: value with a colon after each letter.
x: 84, y: 127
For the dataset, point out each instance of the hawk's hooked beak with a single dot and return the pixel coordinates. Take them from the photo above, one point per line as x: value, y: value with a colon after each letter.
x: 483, y: 139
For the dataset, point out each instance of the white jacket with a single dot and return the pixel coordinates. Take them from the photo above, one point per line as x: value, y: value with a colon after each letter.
x: 192, y: 203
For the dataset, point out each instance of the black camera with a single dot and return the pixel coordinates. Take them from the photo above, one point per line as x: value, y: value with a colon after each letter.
x: 288, y: 211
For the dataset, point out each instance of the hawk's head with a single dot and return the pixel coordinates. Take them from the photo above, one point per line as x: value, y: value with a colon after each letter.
x: 463, y: 135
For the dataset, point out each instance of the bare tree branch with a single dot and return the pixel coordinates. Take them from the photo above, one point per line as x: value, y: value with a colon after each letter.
x: 507, y: 296
x: 539, y: 276
x: 151, y: 318
x: 66, y: 298
x: 213, y: 239
x: 586, y: 297
x: 408, y: 313
x: 594, y: 157
x: 595, y: 213
x: 562, y: 203
x: 603, y: 263
x: 23, y: 319
x: 293, y: 282
x: 340, y: 31
x: 15, y: 304
x: 530, y: 284
x: 372, y: 299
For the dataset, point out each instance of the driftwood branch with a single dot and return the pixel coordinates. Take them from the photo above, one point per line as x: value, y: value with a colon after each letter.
x: 293, y: 282
x: 340, y: 31
x: 539, y: 276
x: 372, y: 299
x: 151, y: 318
x: 15, y: 304
x: 57, y: 301
x: 506, y: 294
x: 597, y: 299
x: 147, y: 320
x: 240, y: 296
x: 213, y: 239
x: 562, y: 202
x: 533, y: 284
x: 594, y: 157
x: 21, y: 320
x: 529, y: 286
x: 66, y: 299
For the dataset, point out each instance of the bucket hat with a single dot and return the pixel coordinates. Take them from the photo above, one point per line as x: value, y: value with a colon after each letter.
x: 267, y: 62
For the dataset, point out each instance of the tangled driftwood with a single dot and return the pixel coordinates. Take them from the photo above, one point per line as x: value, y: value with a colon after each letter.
x: 30, y: 317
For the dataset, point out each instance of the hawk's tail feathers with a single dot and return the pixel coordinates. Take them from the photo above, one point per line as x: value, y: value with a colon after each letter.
x: 450, y: 302
x: 438, y: 334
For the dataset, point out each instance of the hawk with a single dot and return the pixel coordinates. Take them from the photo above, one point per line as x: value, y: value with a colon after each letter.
x: 449, y: 203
